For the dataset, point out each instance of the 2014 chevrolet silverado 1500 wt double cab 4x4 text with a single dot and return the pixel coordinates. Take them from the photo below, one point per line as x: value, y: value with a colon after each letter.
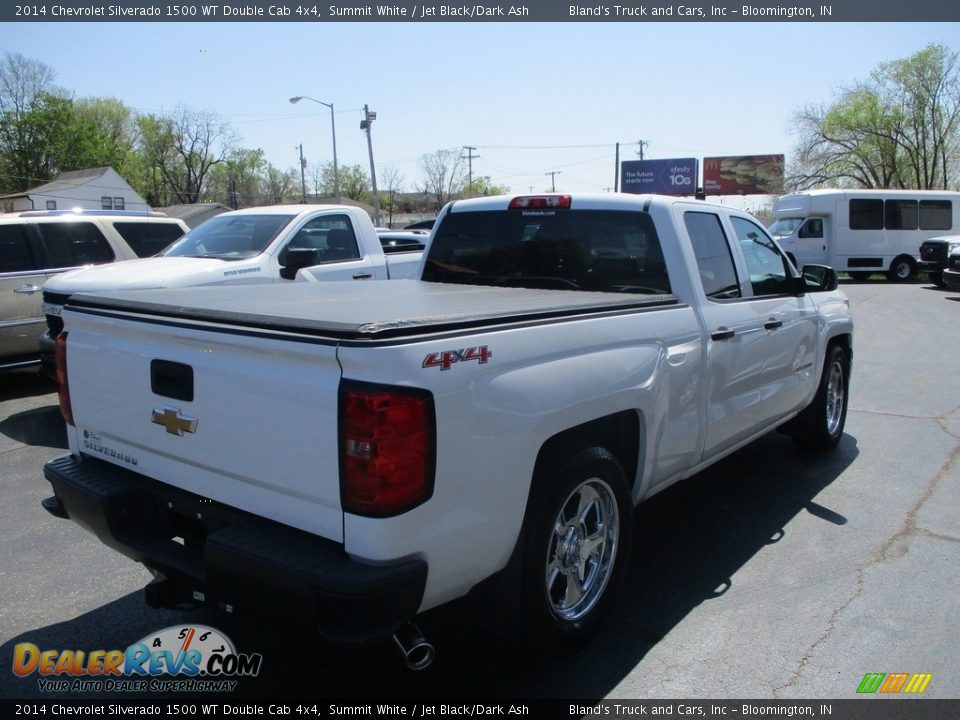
x: 354, y: 456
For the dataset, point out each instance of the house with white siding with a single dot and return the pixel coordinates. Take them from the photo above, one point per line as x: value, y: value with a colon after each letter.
x: 94, y: 189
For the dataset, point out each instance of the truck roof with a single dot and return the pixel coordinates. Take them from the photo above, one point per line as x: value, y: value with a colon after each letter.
x: 369, y: 310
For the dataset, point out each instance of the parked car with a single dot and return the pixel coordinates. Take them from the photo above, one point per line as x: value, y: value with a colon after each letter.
x: 422, y: 225
x: 394, y: 241
x: 259, y: 245
x: 36, y: 245
x: 935, y: 256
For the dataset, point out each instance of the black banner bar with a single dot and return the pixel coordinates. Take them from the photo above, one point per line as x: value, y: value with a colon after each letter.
x: 624, y: 11
x: 873, y: 708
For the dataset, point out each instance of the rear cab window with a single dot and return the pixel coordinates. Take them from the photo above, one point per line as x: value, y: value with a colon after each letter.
x: 564, y: 249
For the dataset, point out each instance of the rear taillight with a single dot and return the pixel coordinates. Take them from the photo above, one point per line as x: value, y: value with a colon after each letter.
x: 63, y: 386
x: 386, y: 448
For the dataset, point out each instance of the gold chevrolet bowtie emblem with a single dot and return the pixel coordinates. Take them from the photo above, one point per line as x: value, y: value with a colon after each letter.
x: 174, y: 422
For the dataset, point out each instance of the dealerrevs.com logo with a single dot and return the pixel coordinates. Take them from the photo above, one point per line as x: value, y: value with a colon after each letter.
x: 193, y: 658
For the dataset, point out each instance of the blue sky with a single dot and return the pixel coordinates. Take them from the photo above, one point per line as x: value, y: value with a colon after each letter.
x: 532, y: 97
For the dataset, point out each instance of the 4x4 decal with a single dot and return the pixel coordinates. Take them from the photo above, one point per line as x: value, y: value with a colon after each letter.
x: 445, y: 360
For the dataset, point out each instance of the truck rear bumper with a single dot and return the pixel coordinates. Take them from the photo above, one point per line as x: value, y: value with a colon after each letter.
x: 207, y: 552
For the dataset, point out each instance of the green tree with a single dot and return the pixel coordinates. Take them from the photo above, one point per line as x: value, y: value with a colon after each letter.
x: 238, y: 180
x: 898, y: 129
x: 354, y: 182
x: 52, y: 135
x: 482, y: 187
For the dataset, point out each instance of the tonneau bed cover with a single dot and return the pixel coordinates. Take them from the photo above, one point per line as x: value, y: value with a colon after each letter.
x: 364, y: 310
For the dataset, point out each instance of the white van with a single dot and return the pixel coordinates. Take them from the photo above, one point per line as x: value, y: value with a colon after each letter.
x: 863, y: 231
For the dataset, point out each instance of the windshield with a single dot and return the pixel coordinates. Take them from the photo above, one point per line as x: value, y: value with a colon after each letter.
x: 785, y: 226
x: 606, y: 251
x: 230, y: 237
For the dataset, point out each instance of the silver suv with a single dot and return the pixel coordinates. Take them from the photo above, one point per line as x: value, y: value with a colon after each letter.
x: 36, y: 245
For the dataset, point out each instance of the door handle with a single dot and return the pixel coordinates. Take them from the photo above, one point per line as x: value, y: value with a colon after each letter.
x: 362, y: 276
x: 28, y: 289
x: 722, y: 333
x: 772, y: 324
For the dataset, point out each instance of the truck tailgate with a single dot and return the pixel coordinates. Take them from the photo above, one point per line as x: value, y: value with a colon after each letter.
x: 251, y: 424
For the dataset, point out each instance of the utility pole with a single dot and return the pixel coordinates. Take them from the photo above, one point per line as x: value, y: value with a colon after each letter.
x: 303, y: 178
x: 469, y: 158
x: 616, y: 170
x: 366, y: 124
x: 642, y: 144
x: 553, y: 179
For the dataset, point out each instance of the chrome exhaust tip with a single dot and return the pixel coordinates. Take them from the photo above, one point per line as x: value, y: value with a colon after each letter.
x: 417, y: 653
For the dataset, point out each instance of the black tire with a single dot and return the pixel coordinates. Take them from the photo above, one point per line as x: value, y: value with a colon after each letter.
x: 936, y: 277
x: 902, y: 269
x: 820, y: 425
x: 859, y: 275
x: 577, y: 544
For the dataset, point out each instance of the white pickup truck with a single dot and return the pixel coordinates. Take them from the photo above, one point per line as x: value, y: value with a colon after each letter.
x: 252, y: 246
x: 354, y: 456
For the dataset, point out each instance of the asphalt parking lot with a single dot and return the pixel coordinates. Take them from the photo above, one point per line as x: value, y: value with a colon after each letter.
x: 772, y: 575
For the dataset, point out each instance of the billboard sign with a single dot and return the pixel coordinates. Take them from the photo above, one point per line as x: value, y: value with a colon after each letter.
x: 677, y: 176
x: 743, y: 175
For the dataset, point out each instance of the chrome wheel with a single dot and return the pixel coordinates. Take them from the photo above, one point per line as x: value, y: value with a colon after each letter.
x: 582, y: 550
x: 834, y: 398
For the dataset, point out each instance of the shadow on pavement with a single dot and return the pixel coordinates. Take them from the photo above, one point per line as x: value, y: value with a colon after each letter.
x: 689, y: 543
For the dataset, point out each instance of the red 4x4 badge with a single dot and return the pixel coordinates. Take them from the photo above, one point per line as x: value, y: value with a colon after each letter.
x: 445, y: 360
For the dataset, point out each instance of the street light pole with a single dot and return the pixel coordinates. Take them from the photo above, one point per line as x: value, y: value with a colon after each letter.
x: 333, y: 130
x: 366, y: 124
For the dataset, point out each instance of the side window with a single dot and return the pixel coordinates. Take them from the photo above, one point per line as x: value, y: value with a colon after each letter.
x: 714, y: 261
x: 332, y: 235
x: 812, y: 228
x: 146, y: 238
x: 900, y: 214
x: 76, y: 243
x: 866, y: 214
x: 768, y: 268
x: 15, y: 253
x: 936, y: 215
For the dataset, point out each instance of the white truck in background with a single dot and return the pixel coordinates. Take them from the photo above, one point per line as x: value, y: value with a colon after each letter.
x: 259, y: 245
x: 351, y: 456
x: 862, y: 232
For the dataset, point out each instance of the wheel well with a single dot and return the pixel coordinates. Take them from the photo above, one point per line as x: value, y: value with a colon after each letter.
x: 845, y: 342
x: 619, y: 434
x: 903, y: 258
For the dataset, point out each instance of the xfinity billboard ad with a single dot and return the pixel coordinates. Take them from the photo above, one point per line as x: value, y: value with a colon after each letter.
x: 677, y: 176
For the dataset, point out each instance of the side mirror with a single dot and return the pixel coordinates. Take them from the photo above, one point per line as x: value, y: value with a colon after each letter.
x: 298, y: 258
x: 819, y: 278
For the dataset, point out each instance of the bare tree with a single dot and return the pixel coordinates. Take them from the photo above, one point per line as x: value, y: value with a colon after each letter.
x: 21, y: 80
x: 391, y: 179
x: 445, y: 174
x: 184, y: 146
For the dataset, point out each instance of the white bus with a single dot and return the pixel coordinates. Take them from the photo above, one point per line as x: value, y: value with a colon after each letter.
x: 863, y: 231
